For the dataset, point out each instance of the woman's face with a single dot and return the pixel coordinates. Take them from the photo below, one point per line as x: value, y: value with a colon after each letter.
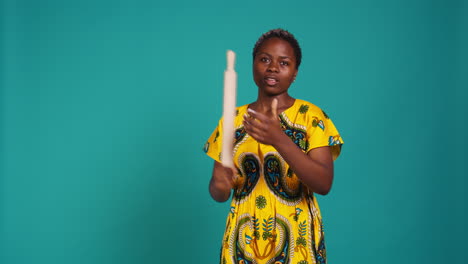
x: 274, y: 67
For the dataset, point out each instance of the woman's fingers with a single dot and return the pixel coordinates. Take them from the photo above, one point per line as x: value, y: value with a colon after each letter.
x: 274, y: 107
x: 230, y: 176
x: 252, y: 126
x: 253, y: 129
x: 256, y: 115
x: 260, y: 126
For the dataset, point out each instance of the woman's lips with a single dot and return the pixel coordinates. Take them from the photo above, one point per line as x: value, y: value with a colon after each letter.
x: 271, y: 81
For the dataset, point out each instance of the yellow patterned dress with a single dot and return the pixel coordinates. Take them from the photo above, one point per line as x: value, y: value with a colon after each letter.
x: 273, y: 217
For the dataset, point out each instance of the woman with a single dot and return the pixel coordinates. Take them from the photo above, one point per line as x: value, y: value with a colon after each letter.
x: 283, y: 153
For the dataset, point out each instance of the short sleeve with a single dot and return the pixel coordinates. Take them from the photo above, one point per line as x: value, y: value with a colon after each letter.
x: 322, y: 132
x: 213, y: 147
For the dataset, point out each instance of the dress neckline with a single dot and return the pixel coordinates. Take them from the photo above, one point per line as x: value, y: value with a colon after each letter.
x: 285, y: 110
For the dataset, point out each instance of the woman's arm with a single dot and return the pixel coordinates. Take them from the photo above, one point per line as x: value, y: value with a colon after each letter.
x: 221, y: 182
x: 314, y: 169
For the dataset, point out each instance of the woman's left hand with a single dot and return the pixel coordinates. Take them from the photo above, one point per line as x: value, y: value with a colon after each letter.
x: 263, y: 128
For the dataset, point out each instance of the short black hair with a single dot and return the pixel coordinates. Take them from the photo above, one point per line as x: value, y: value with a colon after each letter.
x: 284, y: 35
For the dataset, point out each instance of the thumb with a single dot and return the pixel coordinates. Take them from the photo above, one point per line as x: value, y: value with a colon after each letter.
x: 274, y: 107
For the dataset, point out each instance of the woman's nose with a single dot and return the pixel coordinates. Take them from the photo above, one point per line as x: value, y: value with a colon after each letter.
x: 272, y: 67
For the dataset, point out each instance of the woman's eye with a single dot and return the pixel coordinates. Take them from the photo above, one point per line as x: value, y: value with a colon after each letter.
x: 284, y: 63
x: 264, y: 59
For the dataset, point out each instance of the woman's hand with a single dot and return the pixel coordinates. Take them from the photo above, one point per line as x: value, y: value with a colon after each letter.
x: 263, y: 128
x: 222, y: 181
x: 314, y: 169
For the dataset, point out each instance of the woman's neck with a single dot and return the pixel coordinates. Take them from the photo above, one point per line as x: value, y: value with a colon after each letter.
x: 263, y: 103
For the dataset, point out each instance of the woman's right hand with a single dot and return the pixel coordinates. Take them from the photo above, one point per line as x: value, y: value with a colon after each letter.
x: 222, y: 181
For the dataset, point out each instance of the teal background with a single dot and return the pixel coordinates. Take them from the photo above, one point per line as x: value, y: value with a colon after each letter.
x: 105, y: 107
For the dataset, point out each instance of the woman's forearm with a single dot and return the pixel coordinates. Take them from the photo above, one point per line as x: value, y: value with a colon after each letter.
x: 314, y: 169
x: 221, y: 183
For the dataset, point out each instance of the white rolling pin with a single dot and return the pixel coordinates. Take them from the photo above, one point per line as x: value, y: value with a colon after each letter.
x: 229, y: 110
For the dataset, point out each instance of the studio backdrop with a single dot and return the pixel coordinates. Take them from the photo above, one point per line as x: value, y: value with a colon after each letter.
x: 105, y: 107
